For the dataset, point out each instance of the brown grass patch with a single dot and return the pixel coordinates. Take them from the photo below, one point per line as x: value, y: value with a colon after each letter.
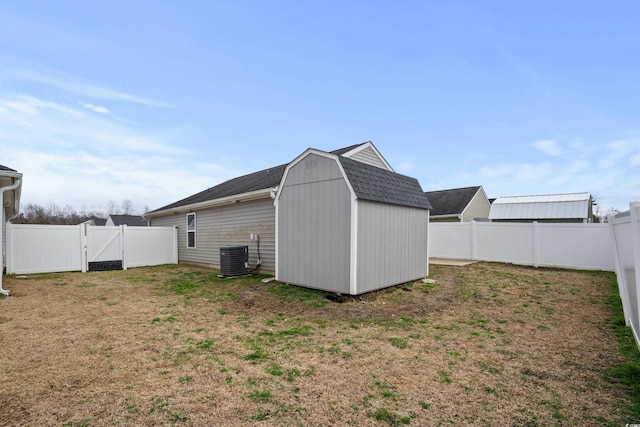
x: 487, y: 344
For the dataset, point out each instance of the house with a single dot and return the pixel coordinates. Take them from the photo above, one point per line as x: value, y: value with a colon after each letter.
x: 129, y: 220
x: 348, y: 227
x: 95, y: 221
x: 241, y: 211
x: 567, y: 208
x: 10, y: 190
x: 459, y: 204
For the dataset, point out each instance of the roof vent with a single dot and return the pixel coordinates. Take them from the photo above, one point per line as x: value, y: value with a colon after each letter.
x: 234, y: 260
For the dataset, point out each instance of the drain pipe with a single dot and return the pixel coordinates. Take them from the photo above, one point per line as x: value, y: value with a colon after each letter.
x: 18, y: 180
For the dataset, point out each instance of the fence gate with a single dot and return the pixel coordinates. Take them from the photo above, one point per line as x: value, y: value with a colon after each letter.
x: 105, y: 247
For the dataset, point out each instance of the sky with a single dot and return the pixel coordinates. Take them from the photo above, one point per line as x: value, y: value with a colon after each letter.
x: 153, y: 101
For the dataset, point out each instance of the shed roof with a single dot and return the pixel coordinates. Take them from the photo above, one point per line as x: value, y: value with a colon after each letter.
x: 380, y: 185
x: 131, y: 220
x: 547, y: 206
x: 261, y: 180
x: 451, y: 202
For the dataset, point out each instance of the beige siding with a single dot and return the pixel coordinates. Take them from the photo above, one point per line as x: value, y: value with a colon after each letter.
x: 314, y: 226
x: 392, y: 245
x: 368, y: 156
x: 227, y: 225
x: 479, y: 207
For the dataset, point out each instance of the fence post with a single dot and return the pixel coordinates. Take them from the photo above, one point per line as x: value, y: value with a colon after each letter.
x: 83, y: 247
x: 622, y: 282
x: 473, y: 240
x: 175, y: 244
x: 123, y: 228
x: 9, y: 242
x: 536, y: 244
x: 635, y: 236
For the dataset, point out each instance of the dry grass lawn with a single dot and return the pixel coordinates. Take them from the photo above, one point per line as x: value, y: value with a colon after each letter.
x: 486, y: 344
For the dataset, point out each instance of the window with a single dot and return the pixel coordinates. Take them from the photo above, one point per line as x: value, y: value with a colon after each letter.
x: 191, y: 230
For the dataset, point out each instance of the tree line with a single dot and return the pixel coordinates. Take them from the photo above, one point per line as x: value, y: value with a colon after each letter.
x: 34, y: 213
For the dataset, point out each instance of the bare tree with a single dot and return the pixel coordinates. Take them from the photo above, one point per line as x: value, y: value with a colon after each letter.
x: 33, y: 213
x: 127, y: 207
x: 112, y: 208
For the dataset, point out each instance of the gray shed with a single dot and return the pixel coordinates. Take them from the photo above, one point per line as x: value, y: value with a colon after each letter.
x: 349, y: 227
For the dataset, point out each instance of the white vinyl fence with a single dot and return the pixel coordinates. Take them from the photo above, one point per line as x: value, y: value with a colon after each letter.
x: 625, y: 231
x: 579, y: 246
x: 53, y: 248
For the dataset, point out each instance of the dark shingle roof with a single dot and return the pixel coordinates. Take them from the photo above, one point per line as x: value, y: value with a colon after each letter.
x: 267, y: 178
x: 99, y: 221
x: 261, y: 180
x: 4, y: 168
x: 380, y: 185
x: 131, y: 220
x: 344, y: 150
x: 451, y: 202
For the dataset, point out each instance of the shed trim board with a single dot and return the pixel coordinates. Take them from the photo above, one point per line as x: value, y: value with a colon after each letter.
x: 353, y: 264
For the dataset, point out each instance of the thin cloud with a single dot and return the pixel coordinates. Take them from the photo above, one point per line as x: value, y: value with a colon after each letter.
x: 46, y: 125
x: 96, y: 108
x: 73, y: 85
x: 549, y: 147
x: 70, y: 156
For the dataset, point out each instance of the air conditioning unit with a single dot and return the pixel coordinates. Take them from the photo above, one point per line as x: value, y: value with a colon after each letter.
x: 234, y: 260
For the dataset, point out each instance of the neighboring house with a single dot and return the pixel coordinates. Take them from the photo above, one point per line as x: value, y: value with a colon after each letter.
x: 459, y: 204
x: 568, y: 208
x: 96, y: 221
x: 231, y: 212
x: 348, y: 227
x: 10, y: 190
x: 130, y: 220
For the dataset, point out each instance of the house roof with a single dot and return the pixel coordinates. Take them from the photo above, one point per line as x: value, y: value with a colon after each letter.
x: 451, y: 202
x: 131, y: 220
x: 380, y: 185
x: 261, y: 180
x: 547, y: 206
x: 267, y: 178
x: 99, y: 221
x: 4, y: 168
x: 345, y: 150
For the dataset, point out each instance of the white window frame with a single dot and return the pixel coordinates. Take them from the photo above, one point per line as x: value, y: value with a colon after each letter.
x: 192, y: 230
